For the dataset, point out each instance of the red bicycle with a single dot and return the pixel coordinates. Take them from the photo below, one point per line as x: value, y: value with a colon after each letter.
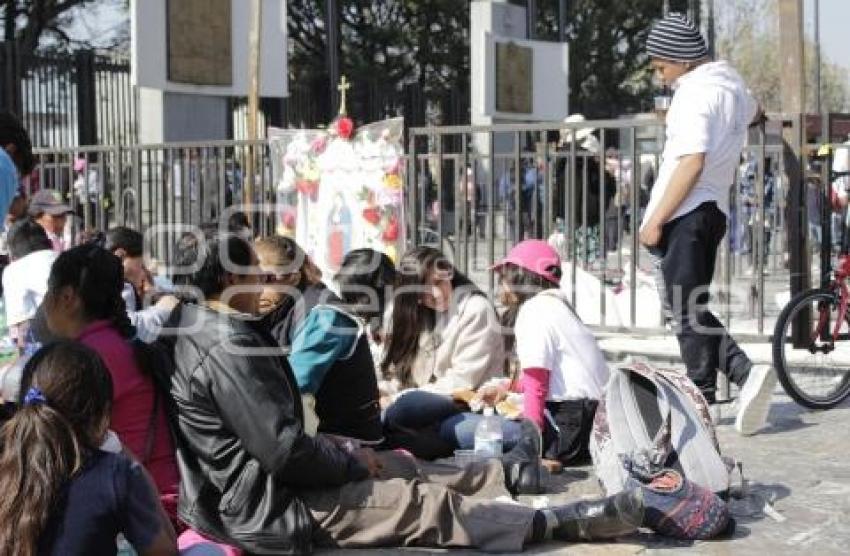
x: 811, y: 343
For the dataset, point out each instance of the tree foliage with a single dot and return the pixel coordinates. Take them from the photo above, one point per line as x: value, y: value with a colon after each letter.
x: 46, y: 24
x: 609, y: 73
x: 748, y: 36
x: 427, y: 42
x: 32, y: 20
x: 384, y: 45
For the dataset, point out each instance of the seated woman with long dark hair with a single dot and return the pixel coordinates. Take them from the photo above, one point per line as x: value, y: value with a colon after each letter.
x: 84, y: 303
x: 444, y: 339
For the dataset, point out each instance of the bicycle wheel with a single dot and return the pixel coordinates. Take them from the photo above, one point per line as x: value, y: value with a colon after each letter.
x: 814, y: 371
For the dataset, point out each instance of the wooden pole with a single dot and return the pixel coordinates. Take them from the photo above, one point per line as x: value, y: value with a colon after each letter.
x: 253, y: 95
x: 817, y: 60
x: 792, y: 89
x: 793, y: 80
x: 710, y: 28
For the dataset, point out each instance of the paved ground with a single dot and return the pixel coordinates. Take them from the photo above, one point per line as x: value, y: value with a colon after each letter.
x: 797, y: 498
x: 798, y: 466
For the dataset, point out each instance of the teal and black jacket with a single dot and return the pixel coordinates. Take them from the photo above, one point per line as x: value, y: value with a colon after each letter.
x: 328, y: 351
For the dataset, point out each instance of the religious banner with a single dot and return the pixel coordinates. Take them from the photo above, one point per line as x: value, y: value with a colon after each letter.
x: 338, y: 190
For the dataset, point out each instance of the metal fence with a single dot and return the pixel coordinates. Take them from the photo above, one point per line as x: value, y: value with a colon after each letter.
x: 480, y: 189
x: 163, y: 190
x: 69, y: 99
x: 475, y: 191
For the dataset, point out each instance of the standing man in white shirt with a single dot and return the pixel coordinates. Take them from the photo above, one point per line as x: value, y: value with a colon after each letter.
x: 685, y: 220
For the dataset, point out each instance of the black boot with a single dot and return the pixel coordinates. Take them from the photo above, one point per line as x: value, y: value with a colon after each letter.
x: 591, y: 520
x: 522, y: 463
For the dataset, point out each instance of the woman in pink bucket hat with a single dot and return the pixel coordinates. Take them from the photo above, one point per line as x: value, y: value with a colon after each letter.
x: 563, y: 370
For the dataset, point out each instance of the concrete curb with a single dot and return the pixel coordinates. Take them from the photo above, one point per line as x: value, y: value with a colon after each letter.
x: 664, y: 350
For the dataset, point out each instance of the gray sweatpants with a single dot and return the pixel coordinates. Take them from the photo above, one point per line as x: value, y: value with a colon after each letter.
x: 433, y: 505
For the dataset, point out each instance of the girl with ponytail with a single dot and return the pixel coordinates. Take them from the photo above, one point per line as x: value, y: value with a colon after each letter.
x: 61, y: 493
x: 84, y: 303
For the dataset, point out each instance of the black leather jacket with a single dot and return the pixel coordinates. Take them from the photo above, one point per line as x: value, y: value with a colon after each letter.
x: 242, y: 452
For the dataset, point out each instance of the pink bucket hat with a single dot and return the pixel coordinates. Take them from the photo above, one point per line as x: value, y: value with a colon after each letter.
x: 534, y: 255
x: 80, y: 165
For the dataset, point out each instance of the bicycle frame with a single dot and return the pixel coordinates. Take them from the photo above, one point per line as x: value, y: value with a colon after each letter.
x: 840, y: 282
x: 840, y: 275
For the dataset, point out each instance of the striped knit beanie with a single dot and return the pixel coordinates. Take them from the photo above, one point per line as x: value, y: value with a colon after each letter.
x: 676, y: 39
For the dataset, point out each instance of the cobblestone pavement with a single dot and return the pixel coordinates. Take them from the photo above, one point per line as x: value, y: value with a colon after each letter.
x: 799, y: 465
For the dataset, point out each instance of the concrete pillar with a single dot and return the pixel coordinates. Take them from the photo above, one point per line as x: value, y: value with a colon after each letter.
x: 169, y: 117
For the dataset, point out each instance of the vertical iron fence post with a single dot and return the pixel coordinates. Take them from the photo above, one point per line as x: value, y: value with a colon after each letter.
x: 86, y: 98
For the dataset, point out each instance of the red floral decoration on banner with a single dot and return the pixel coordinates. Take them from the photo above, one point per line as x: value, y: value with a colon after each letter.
x: 308, y: 187
x: 391, y: 231
x: 393, y: 167
x: 288, y: 217
x: 344, y: 127
x: 372, y: 215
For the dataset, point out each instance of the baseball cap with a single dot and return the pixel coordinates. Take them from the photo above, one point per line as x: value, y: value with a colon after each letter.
x: 48, y: 201
x: 536, y: 256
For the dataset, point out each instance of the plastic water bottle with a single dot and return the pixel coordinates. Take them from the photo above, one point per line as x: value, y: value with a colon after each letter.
x: 488, y: 435
x: 123, y: 547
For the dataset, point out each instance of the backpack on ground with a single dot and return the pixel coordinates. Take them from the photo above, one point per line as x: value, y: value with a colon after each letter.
x: 655, y: 418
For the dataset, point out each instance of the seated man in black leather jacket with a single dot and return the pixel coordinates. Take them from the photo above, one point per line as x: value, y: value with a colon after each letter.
x: 252, y: 478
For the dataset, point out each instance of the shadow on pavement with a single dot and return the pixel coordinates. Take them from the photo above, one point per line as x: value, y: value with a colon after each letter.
x: 756, y: 501
x: 571, y: 480
x: 786, y: 417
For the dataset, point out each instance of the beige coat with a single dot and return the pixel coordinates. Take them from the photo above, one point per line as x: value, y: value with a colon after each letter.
x: 465, y: 349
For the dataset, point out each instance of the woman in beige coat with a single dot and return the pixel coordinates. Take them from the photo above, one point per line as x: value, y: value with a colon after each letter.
x: 445, y: 340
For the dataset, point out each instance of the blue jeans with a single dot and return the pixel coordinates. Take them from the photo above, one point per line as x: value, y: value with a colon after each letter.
x: 419, y: 409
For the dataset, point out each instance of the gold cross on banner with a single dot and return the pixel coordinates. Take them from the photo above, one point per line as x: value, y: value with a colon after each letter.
x: 343, y: 87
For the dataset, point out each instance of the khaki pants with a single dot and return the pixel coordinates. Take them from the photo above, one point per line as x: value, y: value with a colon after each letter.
x: 431, y: 505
